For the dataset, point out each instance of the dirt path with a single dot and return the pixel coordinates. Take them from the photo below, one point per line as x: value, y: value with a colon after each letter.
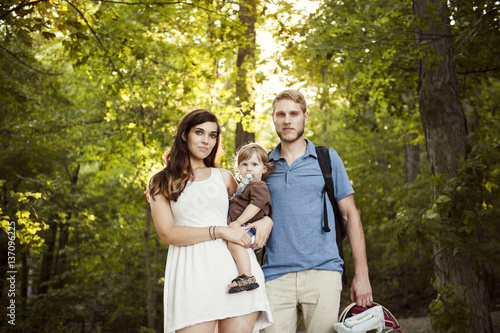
x: 423, y: 324
x: 415, y: 325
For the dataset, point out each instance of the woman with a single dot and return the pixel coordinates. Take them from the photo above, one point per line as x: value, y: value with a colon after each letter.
x: 189, y: 204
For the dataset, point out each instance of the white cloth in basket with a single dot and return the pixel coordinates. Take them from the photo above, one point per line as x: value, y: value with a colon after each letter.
x: 371, y: 319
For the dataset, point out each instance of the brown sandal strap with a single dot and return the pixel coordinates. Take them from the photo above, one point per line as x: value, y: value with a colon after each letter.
x: 244, y: 280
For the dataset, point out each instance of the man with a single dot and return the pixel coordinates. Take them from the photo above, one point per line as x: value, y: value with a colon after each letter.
x: 302, y: 265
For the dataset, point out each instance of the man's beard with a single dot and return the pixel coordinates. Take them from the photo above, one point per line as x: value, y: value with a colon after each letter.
x: 290, y: 139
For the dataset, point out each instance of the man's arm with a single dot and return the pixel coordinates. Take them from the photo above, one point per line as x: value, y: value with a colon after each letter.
x: 361, y: 290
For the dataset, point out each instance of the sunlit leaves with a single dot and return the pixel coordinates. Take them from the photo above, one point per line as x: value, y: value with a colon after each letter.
x: 23, y: 220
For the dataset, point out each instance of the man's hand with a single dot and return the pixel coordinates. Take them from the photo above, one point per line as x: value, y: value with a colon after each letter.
x: 361, y: 291
x: 263, y: 229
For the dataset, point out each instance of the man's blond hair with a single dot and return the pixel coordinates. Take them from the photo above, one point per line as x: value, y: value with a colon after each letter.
x: 293, y: 95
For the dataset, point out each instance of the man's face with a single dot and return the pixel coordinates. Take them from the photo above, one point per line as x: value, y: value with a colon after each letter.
x: 289, y: 120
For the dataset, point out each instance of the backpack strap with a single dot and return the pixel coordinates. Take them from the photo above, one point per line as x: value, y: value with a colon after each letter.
x: 326, y: 168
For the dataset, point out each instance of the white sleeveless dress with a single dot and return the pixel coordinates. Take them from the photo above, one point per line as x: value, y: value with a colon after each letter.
x: 196, y: 276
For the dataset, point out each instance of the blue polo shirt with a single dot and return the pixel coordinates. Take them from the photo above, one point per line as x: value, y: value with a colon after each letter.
x: 297, y: 241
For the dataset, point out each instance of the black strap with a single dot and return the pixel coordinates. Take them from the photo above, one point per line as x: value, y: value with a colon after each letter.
x: 326, y: 168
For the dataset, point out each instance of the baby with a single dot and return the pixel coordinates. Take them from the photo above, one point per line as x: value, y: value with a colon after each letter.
x: 252, y: 204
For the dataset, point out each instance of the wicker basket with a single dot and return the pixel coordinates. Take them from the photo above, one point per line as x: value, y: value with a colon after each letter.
x: 390, y: 321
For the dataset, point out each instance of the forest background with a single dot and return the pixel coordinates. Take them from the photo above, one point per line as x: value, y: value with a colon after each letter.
x: 407, y: 92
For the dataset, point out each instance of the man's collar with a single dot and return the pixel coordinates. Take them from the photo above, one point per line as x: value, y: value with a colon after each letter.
x: 276, y: 153
x: 311, y: 149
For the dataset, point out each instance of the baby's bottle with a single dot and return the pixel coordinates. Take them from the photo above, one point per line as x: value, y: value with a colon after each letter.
x: 244, y: 182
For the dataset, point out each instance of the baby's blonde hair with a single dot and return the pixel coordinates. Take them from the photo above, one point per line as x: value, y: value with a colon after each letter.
x: 246, y: 152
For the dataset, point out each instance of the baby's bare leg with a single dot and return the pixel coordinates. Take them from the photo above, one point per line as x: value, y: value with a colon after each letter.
x: 241, y: 258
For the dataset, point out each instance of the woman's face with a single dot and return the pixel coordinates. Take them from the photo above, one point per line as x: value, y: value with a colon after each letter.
x: 201, y: 139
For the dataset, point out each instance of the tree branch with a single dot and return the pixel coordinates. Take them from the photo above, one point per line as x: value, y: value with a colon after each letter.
x: 27, y: 65
x: 97, y: 38
x: 156, y: 3
x: 494, y: 69
x: 147, y: 3
x: 21, y: 5
x: 496, y: 147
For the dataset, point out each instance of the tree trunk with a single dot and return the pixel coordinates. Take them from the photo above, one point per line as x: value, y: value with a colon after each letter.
x: 246, y: 64
x: 412, y: 151
x: 47, y: 259
x: 60, y: 253
x: 24, y: 278
x: 412, y: 161
x: 444, y: 123
x: 150, y: 300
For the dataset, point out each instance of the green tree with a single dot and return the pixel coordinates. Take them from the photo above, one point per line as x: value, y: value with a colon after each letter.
x: 95, y: 92
x: 360, y: 58
x: 445, y: 127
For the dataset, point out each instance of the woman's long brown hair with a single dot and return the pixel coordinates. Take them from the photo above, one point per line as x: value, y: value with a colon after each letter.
x: 171, y: 180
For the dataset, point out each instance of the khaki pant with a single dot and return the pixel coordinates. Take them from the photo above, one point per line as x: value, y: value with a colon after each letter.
x: 315, y: 292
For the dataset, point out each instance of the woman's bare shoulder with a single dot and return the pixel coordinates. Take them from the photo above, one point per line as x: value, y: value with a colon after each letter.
x: 226, y: 173
x: 229, y: 180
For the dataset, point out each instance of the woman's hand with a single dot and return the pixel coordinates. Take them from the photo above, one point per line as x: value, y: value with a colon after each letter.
x: 234, y: 224
x: 263, y: 229
x: 234, y: 234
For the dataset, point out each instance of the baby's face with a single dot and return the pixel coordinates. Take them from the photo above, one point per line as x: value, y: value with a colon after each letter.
x: 253, y: 166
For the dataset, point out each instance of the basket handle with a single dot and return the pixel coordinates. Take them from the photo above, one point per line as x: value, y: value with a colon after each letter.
x: 350, y: 306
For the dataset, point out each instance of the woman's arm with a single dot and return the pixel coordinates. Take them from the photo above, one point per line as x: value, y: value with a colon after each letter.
x: 229, y: 180
x: 181, y: 235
